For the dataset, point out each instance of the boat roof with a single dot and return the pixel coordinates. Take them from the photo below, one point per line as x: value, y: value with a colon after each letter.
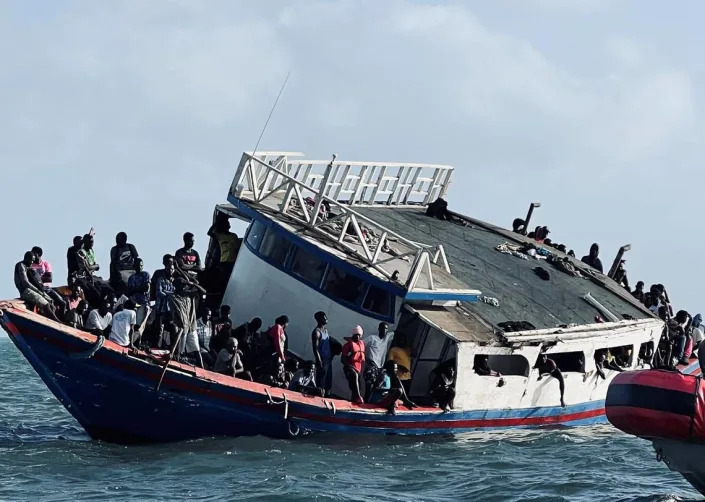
x: 522, y: 295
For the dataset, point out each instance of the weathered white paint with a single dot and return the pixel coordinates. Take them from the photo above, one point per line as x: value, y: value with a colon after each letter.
x: 474, y: 391
x: 256, y: 289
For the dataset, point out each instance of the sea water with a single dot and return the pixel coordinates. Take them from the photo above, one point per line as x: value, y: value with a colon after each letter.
x: 45, y: 455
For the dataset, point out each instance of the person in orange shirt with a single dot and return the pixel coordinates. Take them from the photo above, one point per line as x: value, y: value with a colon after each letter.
x: 353, y: 358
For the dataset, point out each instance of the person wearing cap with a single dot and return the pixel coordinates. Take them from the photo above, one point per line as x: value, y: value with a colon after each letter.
x: 353, y: 358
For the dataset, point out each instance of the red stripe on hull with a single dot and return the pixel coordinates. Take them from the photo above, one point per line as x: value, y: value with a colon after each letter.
x: 644, y: 422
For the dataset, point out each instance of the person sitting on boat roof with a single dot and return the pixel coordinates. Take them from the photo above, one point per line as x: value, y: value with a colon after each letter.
x: 389, y: 389
x: 439, y: 209
x: 571, y: 253
x: 638, y: 292
x: 183, y: 308
x: 30, y: 293
x: 229, y: 363
x: 95, y: 287
x: 541, y: 233
x: 122, y: 262
x: 620, y: 275
x: 138, y: 286
x: 123, y: 329
x: 482, y: 366
x: 56, y: 298
x: 304, y: 380
x: 353, y: 358
x: 246, y: 336
x: 165, y: 290
x: 187, y: 258
x: 222, y: 330
x: 75, y: 316
x: 100, y: 320
x: 518, y: 226
x: 72, y: 257
x: 376, y: 348
x: 548, y: 366
x: 592, y: 258
x: 322, y: 353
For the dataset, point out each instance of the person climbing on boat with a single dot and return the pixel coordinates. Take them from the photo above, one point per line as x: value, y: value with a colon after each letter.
x: 593, y: 259
x: 376, y: 347
x: 548, y: 366
x: 353, y: 358
x: 389, y: 389
x: 322, y: 353
x: 30, y: 293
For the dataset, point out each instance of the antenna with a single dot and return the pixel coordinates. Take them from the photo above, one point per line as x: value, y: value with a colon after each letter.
x: 270, y: 113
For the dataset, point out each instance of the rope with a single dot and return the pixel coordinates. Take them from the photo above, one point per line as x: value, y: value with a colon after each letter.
x: 87, y: 354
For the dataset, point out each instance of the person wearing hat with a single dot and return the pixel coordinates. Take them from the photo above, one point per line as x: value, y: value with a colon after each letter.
x: 353, y: 358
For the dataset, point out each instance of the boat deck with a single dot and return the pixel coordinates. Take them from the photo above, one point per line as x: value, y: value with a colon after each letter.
x: 522, y: 295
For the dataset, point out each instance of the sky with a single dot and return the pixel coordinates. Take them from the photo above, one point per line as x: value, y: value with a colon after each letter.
x: 133, y: 115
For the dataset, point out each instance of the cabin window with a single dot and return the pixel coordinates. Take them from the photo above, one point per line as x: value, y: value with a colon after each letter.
x: 377, y: 300
x: 255, y: 233
x: 275, y: 247
x: 308, y: 267
x: 569, y: 361
x: 504, y: 364
x: 622, y: 355
x: 344, y: 286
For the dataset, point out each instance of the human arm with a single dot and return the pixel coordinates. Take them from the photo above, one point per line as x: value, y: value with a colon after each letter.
x: 278, y: 346
x: 22, y: 279
x: 113, y: 260
x: 48, y: 275
x: 598, y: 368
x: 315, y: 342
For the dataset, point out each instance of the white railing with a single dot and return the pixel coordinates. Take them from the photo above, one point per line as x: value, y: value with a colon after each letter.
x: 359, y: 183
x: 307, y: 191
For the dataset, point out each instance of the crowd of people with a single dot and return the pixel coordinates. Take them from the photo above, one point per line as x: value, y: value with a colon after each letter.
x: 168, y: 313
x: 683, y: 333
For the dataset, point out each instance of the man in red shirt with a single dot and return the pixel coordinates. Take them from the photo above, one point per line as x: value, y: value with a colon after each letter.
x: 353, y: 358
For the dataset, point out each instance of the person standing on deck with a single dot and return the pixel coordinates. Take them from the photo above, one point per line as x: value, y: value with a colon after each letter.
x: 278, y: 337
x: 28, y: 292
x: 183, y: 307
x: 165, y: 290
x: 228, y: 246
x: 187, y: 258
x: 697, y: 331
x: 138, y: 286
x: 72, y: 258
x: 548, y: 366
x: 592, y: 259
x: 376, y: 348
x: 353, y: 358
x: 322, y: 353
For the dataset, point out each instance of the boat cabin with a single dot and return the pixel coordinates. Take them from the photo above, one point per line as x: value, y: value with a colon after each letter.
x: 353, y: 239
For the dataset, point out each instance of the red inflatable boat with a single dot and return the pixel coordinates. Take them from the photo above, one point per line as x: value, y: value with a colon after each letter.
x: 658, y: 404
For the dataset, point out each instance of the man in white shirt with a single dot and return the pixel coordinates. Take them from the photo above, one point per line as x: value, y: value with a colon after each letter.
x: 124, y: 325
x: 376, y: 348
x: 99, y: 320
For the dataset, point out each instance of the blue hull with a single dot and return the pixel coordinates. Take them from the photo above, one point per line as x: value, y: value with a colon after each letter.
x: 112, y: 395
